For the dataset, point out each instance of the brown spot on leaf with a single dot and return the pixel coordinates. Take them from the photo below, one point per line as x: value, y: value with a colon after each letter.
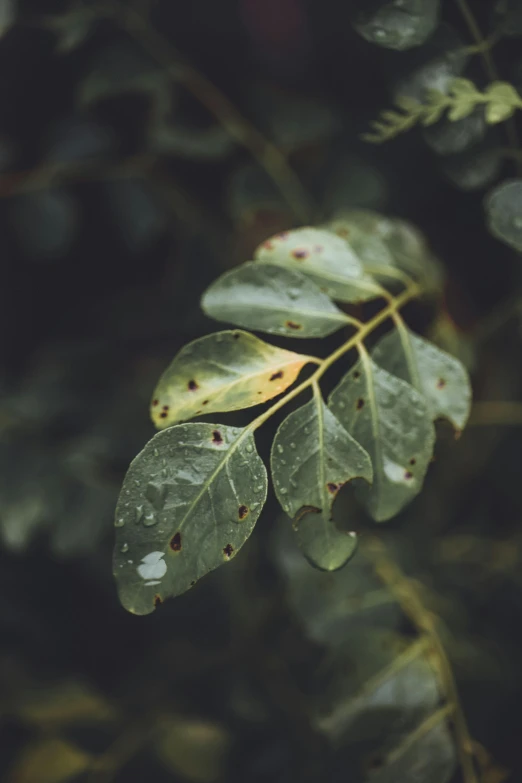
x: 342, y: 232
x: 242, y: 511
x: 359, y: 404
x: 175, y: 542
x: 163, y: 415
x: 276, y: 375
x: 154, y: 403
x: 357, y: 374
x: 217, y: 437
x: 237, y: 335
x: 165, y: 407
x: 192, y: 385
x: 300, y: 253
x: 282, y: 235
x: 303, y: 511
x: 413, y: 461
x: 332, y: 488
x: 293, y: 325
x: 157, y: 600
x: 318, y: 248
x: 268, y: 245
x: 228, y: 550
x: 193, y: 583
x: 441, y: 383
x: 408, y: 475
x: 205, y: 402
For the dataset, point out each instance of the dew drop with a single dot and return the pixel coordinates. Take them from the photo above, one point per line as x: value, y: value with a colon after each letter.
x: 119, y: 522
x: 280, y: 448
x: 139, y: 514
x: 307, y: 430
x: 342, y: 405
x: 283, y: 491
x: 249, y: 448
x: 124, y: 548
x: 150, y: 520
x: 294, y: 483
x: 293, y: 293
x: 282, y: 461
x: 138, y: 483
x: 258, y: 488
x: 293, y: 446
x: 517, y: 222
x: 286, y: 509
x: 127, y: 491
x: 130, y: 562
x: 156, y: 453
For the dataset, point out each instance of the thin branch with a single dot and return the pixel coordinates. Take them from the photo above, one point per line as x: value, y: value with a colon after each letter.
x: 496, y: 412
x: 182, y: 72
x: 408, y: 596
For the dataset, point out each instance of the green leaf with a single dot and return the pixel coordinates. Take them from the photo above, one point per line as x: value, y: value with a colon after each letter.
x: 225, y: 371
x: 189, y: 501
x: 324, y: 258
x: 391, y: 420
x: 312, y: 458
x: 439, y: 377
x: 460, y: 110
x: 465, y: 89
x: 272, y: 299
x: 368, y: 246
x: 503, y: 207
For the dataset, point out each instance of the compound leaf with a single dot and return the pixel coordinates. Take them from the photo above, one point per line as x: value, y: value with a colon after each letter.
x: 439, y: 377
x: 504, y: 212
x: 391, y: 420
x: 312, y: 458
x: 225, y: 371
x: 323, y: 257
x: 272, y: 299
x: 189, y: 501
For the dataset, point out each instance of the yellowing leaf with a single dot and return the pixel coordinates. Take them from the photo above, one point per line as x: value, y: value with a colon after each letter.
x: 226, y: 371
x: 63, y: 704
x: 189, y: 501
x: 194, y: 749
x: 49, y: 761
x: 270, y: 298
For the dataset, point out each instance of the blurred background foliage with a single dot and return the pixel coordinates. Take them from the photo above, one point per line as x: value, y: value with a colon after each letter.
x: 145, y: 147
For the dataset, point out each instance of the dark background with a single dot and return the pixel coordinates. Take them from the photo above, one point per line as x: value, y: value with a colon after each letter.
x: 106, y: 243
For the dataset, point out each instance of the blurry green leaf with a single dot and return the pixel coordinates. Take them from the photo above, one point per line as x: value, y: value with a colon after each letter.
x: 503, y: 99
x: 139, y: 216
x: 398, y: 25
x: 189, y: 501
x: 63, y: 704
x: 475, y: 168
x: 168, y: 138
x: 323, y: 257
x: 367, y: 245
x: 194, y: 749
x: 7, y: 15
x: 46, y: 222
x: 508, y: 19
x: 225, y: 371
x: 391, y: 421
x: 503, y: 207
x: 312, y: 458
x: 449, y: 137
x: 354, y: 183
x: 251, y: 191
x: 439, y: 377
x: 272, y: 299
x: 76, y: 138
x: 49, y: 761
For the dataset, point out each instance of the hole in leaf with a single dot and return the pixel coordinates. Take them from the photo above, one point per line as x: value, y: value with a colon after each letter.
x: 332, y: 488
x: 228, y: 550
x: 300, y: 254
x: 408, y: 475
x: 192, y: 385
x: 217, y: 438
x: 359, y: 404
x: 242, y: 511
x: 175, y: 542
x: 157, y: 600
x: 441, y: 383
x: 293, y: 325
x: 276, y: 375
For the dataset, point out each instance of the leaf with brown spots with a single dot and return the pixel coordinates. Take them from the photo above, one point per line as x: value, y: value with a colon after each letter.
x: 439, y: 377
x: 185, y: 503
x: 312, y: 457
x: 269, y: 298
x: 394, y: 426
x: 324, y: 258
x: 225, y: 371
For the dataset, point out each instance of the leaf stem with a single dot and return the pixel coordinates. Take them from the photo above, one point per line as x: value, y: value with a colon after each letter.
x: 407, y: 595
x: 355, y: 340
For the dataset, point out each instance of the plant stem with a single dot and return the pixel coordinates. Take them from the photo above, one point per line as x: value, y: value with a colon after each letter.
x: 489, y: 67
x: 355, y: 340
x: 267, y: 154
x: 407, y: 594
